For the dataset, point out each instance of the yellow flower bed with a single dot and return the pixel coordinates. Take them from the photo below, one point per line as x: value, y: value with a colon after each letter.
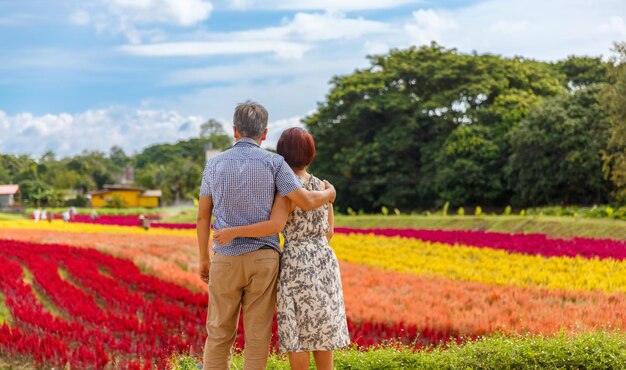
x: 481, y: 264
x: 58, y: 225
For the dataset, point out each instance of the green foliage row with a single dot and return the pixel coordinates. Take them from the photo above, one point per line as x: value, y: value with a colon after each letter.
x: 604, y: 211
x: 598, y: 350
x: 595, y: 211
x: 424, y: 126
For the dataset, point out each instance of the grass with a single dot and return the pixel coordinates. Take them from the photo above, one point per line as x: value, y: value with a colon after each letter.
x: 563, y: 227
x: 41, y: 297
x: 597, y: 350
x: 5, y: 314
x: 11, y: 217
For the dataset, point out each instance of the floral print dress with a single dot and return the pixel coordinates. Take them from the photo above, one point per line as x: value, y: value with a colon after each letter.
x: 311, y: 312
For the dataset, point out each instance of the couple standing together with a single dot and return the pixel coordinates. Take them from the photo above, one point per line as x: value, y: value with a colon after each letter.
x: 253, y: 195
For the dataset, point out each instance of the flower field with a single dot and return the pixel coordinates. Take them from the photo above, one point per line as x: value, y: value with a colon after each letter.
x: 94, y: 294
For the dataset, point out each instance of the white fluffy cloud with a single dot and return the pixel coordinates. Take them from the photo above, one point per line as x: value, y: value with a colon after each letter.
x: 132, y: 17
x: 177, y: 12
x: 290, y: 40
x: 94, y: 130
x: 276, y: 128
x: 429, y: 26
x: 133, y: 130
x: 533, y: 28
x: 208, y: 48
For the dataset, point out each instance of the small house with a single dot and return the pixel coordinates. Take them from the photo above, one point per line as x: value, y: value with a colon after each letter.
x: 126, y: 196
x: 8, y: 193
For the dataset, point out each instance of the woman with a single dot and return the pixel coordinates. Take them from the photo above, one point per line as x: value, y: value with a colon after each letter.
x: 311, y: 313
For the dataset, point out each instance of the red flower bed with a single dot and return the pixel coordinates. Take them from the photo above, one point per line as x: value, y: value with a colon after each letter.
x: 111, y: 313
x: 538, y: 244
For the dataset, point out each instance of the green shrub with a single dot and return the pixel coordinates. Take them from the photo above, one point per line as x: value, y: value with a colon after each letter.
x: 478, y: 211
x: 445, y: 208
x: 597, y: 350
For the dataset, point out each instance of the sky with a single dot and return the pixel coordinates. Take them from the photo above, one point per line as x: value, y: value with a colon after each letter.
x: 81, y: 75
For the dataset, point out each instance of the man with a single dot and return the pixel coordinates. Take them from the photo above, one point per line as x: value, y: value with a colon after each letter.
x: 238, y: 187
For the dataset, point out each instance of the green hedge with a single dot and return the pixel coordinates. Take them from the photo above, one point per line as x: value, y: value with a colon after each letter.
x: 602, y: 211
x: 597, y: 350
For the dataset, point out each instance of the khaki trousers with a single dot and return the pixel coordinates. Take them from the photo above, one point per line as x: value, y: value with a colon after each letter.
x: 247, y: 281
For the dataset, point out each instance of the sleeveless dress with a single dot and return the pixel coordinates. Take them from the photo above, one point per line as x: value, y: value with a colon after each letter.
x: 311, y: 312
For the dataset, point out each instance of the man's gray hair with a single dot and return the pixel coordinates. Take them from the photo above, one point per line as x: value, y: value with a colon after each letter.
x: 250, y: 119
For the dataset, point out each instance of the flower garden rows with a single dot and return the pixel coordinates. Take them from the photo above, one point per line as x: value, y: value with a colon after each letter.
x: 112, y: 313
x: 416, y: 286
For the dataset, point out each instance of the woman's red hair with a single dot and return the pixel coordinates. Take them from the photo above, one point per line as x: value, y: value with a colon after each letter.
x: 297, y: 146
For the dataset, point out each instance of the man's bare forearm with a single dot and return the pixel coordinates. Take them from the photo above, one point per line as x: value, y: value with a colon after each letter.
x: 203, y: 229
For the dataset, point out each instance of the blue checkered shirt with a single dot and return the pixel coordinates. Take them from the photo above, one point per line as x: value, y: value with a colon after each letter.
x: 242, y: 183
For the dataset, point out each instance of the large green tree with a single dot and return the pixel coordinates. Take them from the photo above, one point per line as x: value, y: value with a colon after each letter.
x: 469, y: 167
x: 614, y: 99
x: 383, y: 132
x: 556, y: 151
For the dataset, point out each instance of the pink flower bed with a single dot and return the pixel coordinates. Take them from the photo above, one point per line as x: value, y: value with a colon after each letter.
x: 538, y: 244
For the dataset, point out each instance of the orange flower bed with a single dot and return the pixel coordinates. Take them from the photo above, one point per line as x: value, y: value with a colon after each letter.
x: 376, y: 295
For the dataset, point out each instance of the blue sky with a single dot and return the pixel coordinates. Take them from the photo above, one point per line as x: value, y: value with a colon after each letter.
x: 89, y: 74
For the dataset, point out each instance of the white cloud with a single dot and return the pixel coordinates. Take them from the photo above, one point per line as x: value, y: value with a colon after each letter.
x: 276, y: 128
x: 429, y: 26
x: 176, y: 49
x: 321, y: 27
x: 319, y: 4
x: 99, y: 129
x: 80, y: 18
x: 511, y: 27
x: 291, y: 40
x: 176, y: 12
x: 615, y: 25
x: 539, y: 29
x: 131, y: 17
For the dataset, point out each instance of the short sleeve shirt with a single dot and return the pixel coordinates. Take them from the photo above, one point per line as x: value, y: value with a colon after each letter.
x: 242, y: 183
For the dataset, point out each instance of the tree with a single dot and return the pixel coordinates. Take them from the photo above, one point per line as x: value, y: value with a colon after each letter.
x: 210, y: 128
x: 213, y: 131
x: 468, y: 167
x: 556, y: 150
x: 380, y: 131
x: 583, y: 71
x: 118, y: 157
x: 614, y: 101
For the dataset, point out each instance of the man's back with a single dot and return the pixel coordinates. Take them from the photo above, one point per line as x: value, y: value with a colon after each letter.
x: 242, y: 182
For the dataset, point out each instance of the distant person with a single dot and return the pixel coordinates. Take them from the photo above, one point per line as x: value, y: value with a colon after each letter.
x: 93, y: 215
x: 66, y: 216
x: 73, y: 213
x: 44, y: 215
x: 37, y: 214
x: 239, y: 188
x: 144, y: 221
x: 311, y: 311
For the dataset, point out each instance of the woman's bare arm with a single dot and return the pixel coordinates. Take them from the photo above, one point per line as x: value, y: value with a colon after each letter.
x: 331, y: 222
x: 277, y: 221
